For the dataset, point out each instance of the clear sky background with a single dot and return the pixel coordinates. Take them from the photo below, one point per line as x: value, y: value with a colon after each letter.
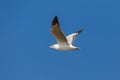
x: 25, y: 39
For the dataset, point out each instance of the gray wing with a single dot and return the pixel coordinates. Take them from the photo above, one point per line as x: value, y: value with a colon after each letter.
x: 71, y: 37
x: 57, y: 33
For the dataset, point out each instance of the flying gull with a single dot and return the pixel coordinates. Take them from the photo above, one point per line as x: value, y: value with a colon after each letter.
x: 63, y: 43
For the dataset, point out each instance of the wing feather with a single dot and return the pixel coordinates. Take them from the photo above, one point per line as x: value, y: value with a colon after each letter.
x: 71, y: 37
x: 57, y: 33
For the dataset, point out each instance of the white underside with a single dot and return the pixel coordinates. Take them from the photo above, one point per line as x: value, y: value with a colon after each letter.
x: 63, y: 47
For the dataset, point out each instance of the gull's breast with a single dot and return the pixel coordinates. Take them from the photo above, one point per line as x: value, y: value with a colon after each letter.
x: 64, y: 47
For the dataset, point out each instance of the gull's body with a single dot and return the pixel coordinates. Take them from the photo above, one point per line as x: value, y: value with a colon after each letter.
x: 64, y: 47
x: 63, y: 43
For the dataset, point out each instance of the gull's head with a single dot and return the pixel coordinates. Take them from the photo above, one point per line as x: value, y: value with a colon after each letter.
x: 54, y: 46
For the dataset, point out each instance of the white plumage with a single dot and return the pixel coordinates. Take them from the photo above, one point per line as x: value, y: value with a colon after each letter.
x: 63, y: 43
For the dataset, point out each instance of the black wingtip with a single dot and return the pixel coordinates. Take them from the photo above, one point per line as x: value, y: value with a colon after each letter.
x: 81, y: 30
x: 55, y: 20
x: 56, y: 17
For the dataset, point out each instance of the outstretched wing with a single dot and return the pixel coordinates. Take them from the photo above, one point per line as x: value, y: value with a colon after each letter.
x: 57, y: 33
x: 71, y: 37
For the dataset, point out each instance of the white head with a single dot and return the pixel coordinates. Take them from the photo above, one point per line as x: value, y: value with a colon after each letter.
x: 54, y: 46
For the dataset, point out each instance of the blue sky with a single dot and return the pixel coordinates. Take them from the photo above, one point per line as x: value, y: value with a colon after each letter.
x: 25, y: 39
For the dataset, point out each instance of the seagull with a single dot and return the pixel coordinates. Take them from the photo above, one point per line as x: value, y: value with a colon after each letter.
x: 63, y: 42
